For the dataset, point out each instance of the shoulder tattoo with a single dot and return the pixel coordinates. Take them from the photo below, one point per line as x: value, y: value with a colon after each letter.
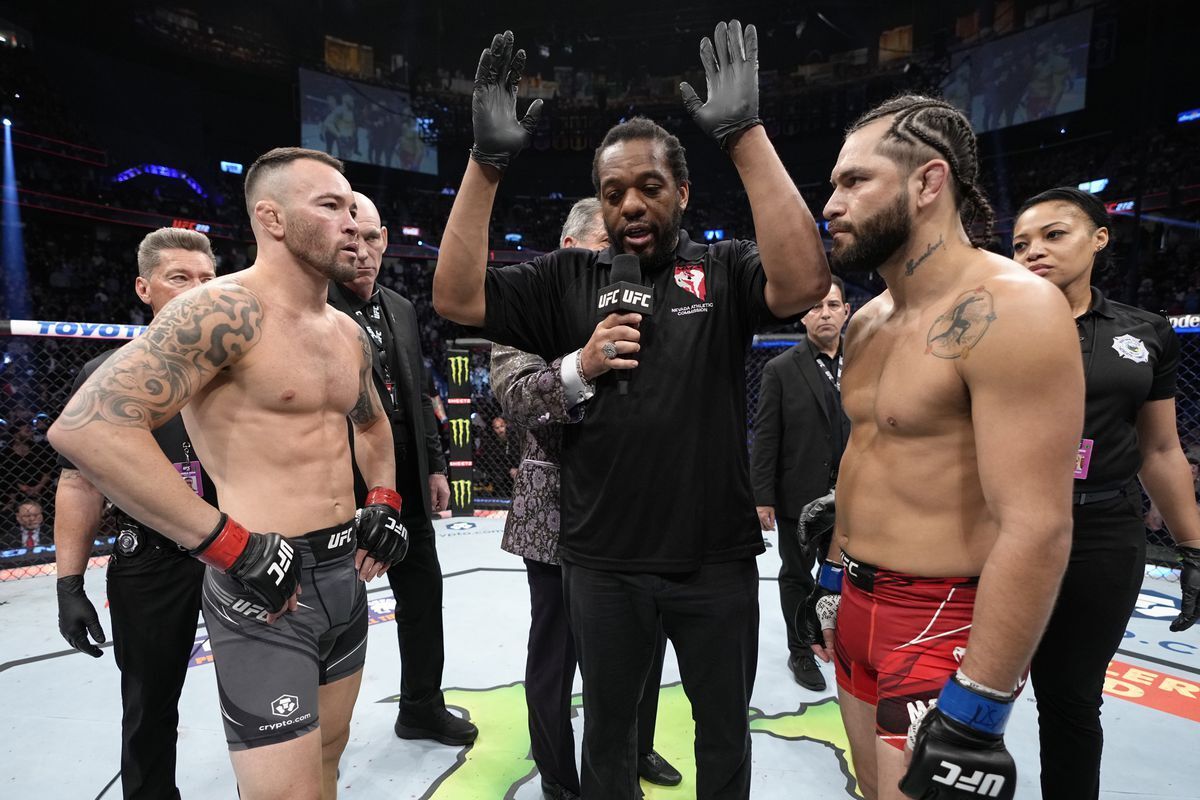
x: 148, y: 380
x: 959, y: 329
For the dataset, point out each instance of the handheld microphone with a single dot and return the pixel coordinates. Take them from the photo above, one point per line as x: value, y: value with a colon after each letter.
x: 626, y: 294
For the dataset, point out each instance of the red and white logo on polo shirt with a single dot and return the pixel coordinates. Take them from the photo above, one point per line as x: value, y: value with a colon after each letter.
x: 690, y: 278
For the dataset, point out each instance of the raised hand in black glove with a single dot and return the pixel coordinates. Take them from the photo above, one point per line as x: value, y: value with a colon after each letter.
x: 77, y: 616
x: 816, y: 617
x: 958, y: 748
x: 1189, y: 584
x: 816, y: 523
x: 499, y: 136
x: 731, y: 69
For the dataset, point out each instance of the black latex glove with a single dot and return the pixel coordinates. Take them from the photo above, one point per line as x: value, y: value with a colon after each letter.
x: 731, y: 69
x: 1189, y: 584
x: 77, y: 616
x: 816, y: 523
x: 499, y: 135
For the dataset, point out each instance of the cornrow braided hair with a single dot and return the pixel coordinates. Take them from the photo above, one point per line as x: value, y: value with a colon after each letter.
x: 939, y: 126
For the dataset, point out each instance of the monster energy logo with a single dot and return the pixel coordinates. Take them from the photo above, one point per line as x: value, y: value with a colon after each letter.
x: 460, y: 432
x: 459, y: 369
x: 462, y: 493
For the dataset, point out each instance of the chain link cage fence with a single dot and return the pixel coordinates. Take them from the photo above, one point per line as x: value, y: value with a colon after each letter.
x: 41, y: 359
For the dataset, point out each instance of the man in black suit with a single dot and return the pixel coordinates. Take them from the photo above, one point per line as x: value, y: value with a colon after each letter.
x: 799, y: 435
x: 391, y: 322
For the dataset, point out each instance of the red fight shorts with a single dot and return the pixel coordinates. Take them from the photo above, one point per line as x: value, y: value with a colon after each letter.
x: 898, y: 640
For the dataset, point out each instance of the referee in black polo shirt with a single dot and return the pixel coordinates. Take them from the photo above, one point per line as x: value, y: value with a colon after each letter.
x: 1130, y: 359
x: 657, y: 513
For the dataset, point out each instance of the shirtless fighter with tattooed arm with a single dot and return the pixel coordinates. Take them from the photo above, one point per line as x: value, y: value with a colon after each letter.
x: 265, y: 373
x: 964, y: 388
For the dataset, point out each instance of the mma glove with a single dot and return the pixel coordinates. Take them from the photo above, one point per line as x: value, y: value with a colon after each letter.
x: 499, y: 135
x: 731, y: 70
x: 819, y: 611
x: 77, y: 616
x: 264, y: 563
x: 958, y: 746
x: 816, y: 523
x: 377, y: 525
x: 1189, y: 584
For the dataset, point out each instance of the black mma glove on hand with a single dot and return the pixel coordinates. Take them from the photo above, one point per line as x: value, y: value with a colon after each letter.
x: 1189, y: 584
x: 77, y: 616
x: 958, y: 746
x: 264, y: 563
x: 731, y: 69
x: 499, y: 136
x: 819, y: 612
x: 377, y: 525
x: 816, y: 523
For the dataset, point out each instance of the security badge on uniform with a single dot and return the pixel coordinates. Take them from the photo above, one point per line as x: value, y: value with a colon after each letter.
x: 1131, y: 347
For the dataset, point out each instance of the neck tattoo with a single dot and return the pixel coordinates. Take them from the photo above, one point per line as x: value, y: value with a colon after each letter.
x: 913, y: 263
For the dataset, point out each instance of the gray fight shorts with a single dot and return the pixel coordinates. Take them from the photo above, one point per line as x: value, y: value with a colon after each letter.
x: 267, y: 675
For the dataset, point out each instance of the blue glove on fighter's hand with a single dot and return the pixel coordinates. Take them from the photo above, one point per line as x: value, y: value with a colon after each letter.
x: 958, y: 750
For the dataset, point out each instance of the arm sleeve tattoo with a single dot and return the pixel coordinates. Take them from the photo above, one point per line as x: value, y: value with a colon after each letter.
x: 188, y: 342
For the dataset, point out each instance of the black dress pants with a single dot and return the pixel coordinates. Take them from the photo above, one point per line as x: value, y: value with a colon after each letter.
x: 550, y: 673
x: 796, y: 581
x: 154, y: 599
x: 417, y: 586
x: 711, y: 617
x: 1099, y: 592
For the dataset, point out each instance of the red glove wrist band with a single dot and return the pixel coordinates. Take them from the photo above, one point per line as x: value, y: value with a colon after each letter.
x: 384, y: 497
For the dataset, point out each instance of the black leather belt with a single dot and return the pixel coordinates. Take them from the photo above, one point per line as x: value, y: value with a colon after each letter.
x: 1087, y: 498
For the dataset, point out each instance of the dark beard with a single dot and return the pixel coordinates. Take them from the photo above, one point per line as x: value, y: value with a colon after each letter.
x: 304, y: 242
x: 666, y: 240
x: 875, y: 240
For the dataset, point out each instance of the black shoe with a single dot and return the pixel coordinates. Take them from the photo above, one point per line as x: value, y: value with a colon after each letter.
x: 806, y: 672
x: 656, y: 769
x: 553, y: 791
x: 440, y: 726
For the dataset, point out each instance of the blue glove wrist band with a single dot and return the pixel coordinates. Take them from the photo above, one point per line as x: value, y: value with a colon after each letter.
x: 973, y: 709
x: 830, y: 577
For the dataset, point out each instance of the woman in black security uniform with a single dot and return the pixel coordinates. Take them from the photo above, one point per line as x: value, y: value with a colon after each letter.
x: 1130, y: 358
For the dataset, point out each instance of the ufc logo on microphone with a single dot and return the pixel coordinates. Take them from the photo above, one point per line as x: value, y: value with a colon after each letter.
x: 635, y: 298
x: 283, y: 562
x: 981, y: 783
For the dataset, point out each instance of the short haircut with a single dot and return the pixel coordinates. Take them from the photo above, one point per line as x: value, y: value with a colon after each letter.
x: 280, y: 157
x: 583, y: 219
x: 1089, y: 204
x: 928, y: 126
x: 149, y: 252
x: 643, y: 128
x: 840, y: 284
x: 29, y: 502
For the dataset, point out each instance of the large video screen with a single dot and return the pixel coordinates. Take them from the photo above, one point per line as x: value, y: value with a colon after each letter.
x: 358, y: 122
x: 1028, y: 76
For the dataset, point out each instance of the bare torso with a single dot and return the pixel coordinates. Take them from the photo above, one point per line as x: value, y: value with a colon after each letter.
x: 909, y: 491
x: 271, y: 429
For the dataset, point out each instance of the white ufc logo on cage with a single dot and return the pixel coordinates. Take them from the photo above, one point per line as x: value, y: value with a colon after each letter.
x: 981, y: 783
